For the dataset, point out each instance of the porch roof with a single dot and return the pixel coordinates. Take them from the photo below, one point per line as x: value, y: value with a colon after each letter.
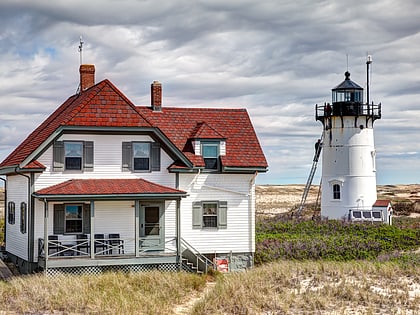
x: 108, y: 189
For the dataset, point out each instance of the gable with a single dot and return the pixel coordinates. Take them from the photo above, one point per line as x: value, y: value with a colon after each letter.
x: 101, y: 105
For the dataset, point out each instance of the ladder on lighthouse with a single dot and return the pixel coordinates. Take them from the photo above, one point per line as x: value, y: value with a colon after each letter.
x: 311, y: 175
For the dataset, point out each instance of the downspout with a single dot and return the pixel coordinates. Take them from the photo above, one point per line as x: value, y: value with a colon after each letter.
x: 29, y: 218
x: 252, y: 218
x: 178, y: 226
x: 5, y: 209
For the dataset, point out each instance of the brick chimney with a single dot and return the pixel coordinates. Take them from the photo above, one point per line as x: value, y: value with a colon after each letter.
x: 87, y: 76
x: 156, y: 96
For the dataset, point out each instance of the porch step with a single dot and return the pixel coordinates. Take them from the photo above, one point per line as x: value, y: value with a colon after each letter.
x: 190, y: 266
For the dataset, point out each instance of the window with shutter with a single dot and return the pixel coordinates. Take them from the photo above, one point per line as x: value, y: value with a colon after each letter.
x: 73, y: 155
x: 140, y: 156
x: 209, y: 214
x: 71, y: 218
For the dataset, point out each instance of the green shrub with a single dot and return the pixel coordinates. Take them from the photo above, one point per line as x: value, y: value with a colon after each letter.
x: 284, y: 238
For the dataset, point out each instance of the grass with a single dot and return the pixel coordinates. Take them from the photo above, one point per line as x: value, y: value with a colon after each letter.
x: 111, y: 293
x: 324, y: 275
x: 321, y: 287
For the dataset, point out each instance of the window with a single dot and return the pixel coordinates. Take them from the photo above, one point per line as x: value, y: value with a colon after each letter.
x: 141, y: 156
x: 73, y: 219
x: 336, y: 192
x: 357, y: 214
x: 210, y: 214
x: 73, y: 153
x: 210, y: 153
x: 23, y: 210
x: 373, y: 155
x: 367, y: 214
x: 11, y: 212
x: 376, y: 215
x: 73, y: 156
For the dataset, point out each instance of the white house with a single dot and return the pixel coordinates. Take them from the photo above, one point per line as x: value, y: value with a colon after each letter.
x: 104, y: 184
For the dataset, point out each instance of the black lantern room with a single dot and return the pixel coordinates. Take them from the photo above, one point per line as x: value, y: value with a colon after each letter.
x: 347, y: 100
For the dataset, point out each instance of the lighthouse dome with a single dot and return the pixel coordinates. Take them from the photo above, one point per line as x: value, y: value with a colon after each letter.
x: 347, y: 91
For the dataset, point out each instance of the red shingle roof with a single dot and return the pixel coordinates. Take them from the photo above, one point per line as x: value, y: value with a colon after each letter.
x: 178, y: 124
x: 107, y: 187
x: 105, y: 106
x: 382, y: 203
x: 101, y: 105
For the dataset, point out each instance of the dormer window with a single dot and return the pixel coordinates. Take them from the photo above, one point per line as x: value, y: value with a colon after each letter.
x: 210, y: 152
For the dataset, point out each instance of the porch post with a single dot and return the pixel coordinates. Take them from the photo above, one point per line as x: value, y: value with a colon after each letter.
x: 45, y: 235
x: 178, y: 234
x: 137, y: 228
x: 92, y: 229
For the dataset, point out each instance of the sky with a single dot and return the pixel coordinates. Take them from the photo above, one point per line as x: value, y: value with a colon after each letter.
x: 276, y: 58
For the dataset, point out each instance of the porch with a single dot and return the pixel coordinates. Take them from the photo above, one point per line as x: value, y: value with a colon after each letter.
x: 75, y: 255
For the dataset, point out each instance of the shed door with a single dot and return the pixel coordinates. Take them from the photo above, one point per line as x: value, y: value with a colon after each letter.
x: 151, y: 227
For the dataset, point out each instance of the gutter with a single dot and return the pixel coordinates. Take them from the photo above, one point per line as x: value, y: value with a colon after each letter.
x: 89, y: 197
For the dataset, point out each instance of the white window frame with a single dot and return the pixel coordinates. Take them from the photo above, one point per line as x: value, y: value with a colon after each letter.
x: 215, y: 144
x: 149, y: 148
x: 70, y: 155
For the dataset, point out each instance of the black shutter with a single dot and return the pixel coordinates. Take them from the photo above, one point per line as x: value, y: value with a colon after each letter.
x: 58, y: 156
x: 127, y: 152
x: 88, y: 156
x: 58, y: 219
x: 86, y: 218
x: 155, y: 156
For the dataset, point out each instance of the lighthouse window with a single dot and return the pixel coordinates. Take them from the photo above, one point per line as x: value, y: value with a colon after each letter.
x: 336, y: 191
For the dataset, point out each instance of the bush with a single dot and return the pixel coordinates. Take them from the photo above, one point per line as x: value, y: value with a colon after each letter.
x: 403, y: 207
x: 285, y: 238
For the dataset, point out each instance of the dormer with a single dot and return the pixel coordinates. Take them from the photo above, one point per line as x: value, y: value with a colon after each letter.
x: 208, y: 143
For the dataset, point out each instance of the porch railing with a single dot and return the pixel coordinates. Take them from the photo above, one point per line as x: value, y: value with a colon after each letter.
x: 59, y: 248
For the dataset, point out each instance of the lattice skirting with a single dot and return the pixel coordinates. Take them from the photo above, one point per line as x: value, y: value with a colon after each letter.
x: 96, y: 270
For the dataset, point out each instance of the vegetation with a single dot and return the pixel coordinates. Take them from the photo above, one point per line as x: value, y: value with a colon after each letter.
x: 321, y: 287
x: 110, y: 293
x: 281, y: 238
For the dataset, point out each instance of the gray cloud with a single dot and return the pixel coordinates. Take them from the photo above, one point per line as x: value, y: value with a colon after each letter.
x: 276, y: 58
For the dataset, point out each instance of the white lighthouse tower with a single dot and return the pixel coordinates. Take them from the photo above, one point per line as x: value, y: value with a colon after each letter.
x: 348, y: 183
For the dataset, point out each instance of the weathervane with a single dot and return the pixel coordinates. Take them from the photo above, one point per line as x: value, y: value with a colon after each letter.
x: 81, y: 49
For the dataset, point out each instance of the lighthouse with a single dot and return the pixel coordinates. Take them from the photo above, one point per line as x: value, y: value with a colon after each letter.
x: 348, y: 181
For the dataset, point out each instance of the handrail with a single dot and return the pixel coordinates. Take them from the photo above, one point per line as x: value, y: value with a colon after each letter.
x: 198, y: 255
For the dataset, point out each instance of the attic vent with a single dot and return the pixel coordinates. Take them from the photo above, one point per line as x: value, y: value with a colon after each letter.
x: 156, y: 96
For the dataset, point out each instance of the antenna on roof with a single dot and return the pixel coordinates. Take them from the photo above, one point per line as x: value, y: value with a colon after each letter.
x: 81, y: 49
x: 347, y: 57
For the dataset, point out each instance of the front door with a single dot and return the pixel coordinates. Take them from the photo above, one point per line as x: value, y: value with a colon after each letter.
x: 151, y: 226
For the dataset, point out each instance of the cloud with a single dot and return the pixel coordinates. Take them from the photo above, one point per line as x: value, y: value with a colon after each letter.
x: 276, y: 58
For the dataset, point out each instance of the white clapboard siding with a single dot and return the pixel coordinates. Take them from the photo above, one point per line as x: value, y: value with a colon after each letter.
x: 238, y: 190
x: 17, y: 191
x: 170, y: 225
x: 107, y: 162
x: 116, y: 217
